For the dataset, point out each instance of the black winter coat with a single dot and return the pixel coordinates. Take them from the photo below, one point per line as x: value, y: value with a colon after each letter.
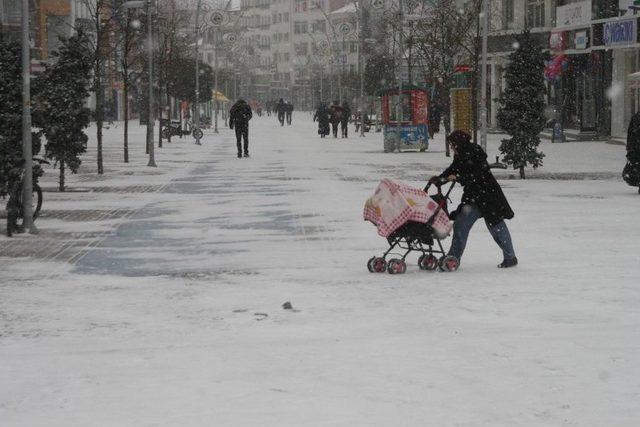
x: 346, y: 114
x: 480, y: 186
x: 322, y: 117
x: 631, y: 172
x: 239, y: 115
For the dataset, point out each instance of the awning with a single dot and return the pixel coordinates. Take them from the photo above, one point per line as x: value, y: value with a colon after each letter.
x: 218, y: 96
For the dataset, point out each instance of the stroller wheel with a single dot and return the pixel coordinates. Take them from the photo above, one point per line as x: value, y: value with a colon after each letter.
x: 428, y: 262
x: 377, y: 265
x: 449, y: 263
x: 396, y: 266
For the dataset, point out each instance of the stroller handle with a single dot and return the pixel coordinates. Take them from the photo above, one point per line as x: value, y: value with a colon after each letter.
x: 439, y: 184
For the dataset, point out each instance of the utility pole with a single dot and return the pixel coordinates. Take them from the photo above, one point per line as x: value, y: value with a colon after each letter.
x: 483, y: 76
x: 27, y: 183
x: 196, y: 112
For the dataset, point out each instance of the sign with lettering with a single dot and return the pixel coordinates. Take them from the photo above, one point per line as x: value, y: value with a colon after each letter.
x: 573, y: 14
x: 618, y: 33
x: 581, y: 39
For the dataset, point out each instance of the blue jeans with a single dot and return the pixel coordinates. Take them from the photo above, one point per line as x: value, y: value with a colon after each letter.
x: 467, y: 216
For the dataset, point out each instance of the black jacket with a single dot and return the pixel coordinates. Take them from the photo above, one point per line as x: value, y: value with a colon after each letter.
x: 322, y: 117
x: 633, y: 139
x: 346, y: 113
x: 239, y: 115
x: 480, y: 186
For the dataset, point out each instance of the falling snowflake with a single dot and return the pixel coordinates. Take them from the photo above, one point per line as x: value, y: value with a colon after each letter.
x: 614, y: 91
x: 515, y: 45
x: 135, y: 23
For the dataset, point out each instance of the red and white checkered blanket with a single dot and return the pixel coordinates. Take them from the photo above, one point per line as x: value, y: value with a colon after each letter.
x: 395, y: 203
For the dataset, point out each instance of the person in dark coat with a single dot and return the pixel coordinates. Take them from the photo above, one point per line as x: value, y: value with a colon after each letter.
x: 322, y: 117
x: 344, y: 121
x: 288, y: 111
x: 335, y: 117
x: 482, y: 198
x: 435, y: 115
x: 631, y: 172
x: 281, y: 109
x: 239, y: 117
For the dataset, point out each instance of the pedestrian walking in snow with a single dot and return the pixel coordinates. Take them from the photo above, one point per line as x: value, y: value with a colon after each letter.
x: 281, y: 109
x: 482, y: 198
x: 631, y: 172
x: 239, y: 117
x: 288, y: 111
x: 344, y: 120
x: 322, y: 117
x: 335, y: 116
x: 435, y: 115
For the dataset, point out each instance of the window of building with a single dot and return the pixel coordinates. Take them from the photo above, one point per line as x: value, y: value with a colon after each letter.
x: 605, y: 8
x: 319, y: 27
x: 300, y: 27
x: 301, y: 6
x: 535, y: 13
x: 507, y: 14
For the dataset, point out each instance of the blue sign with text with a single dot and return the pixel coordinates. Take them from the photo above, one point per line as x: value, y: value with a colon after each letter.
x: 620, y: 32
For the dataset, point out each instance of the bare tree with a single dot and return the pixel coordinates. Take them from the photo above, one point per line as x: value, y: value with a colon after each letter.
x: 127, y: 44
x: 444, y: 39
x: 97, y: 26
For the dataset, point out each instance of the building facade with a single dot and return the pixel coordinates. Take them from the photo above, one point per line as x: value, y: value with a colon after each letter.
x: 594, y: 53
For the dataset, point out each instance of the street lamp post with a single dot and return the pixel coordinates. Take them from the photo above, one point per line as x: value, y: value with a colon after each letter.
x: 361, y: 63
x: 136, y: 4
x: 399, y: 47
x: 27, y: 185
x: 215, y: 85
x: 196, y: 113
x: 483, y: 76
x: 152, y: 118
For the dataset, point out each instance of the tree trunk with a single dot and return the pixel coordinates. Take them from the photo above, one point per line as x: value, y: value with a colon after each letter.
x: 522, y: 172
x: 125, y: 85
x: 159, y: 110
x: 61, y: 179
x: 99, y: 113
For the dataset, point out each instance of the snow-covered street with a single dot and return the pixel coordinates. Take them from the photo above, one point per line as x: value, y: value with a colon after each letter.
x: 165, y: 305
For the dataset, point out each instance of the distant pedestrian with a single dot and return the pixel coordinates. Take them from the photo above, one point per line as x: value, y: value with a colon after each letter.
x: 322, y: 117
x: 435, y: 116
x: 239, y: 117
x: 482, y: 198
x: 344, y: 120
x: 335, y: 117
x: 289, y: 111
x: 631, y: 172
x: 281, y: 109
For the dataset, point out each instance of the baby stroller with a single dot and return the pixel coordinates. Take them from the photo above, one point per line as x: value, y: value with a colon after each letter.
x: 411, y: 220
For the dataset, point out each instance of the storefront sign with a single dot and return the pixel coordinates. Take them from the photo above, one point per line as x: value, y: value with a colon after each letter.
x: 557, y: 41
x: 618, y: 33
x: 573, y: 14
x: 580, y: 40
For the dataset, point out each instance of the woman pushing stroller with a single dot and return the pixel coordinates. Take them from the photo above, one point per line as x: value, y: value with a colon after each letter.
x: 482, y: 198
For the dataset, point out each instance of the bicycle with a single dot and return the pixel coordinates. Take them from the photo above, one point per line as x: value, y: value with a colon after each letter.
x: 14, y: 204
